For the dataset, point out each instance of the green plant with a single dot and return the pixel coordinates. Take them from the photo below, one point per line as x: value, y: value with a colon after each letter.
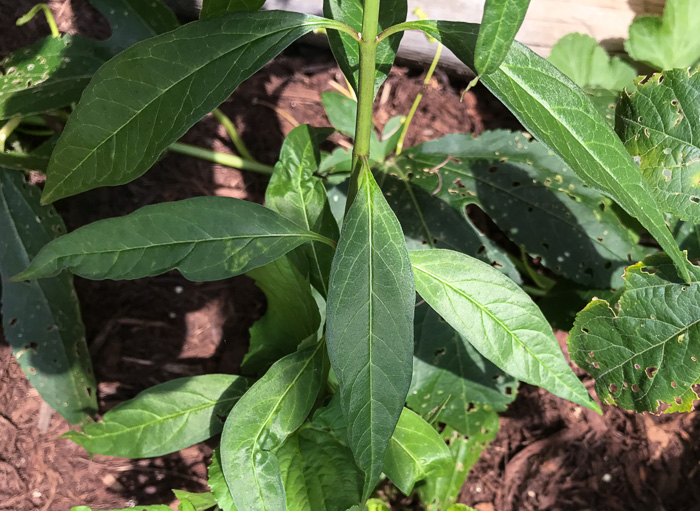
x: 344, y: 347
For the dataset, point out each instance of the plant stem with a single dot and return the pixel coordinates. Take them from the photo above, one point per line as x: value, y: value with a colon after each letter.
x: 229, y: 160
x: 47, y: 13
x: 7, y: 130
x: 233, y: 134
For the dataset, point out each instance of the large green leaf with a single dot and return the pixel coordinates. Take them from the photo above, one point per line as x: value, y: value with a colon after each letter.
x: 659, y: 123
x: 164, y: 418
x: 560, y: 114
x: 205, y: 238
x: 644, y: 355
x: 346, y: 49
x: 295, y: 193
x: 668, y: 42
x: 217, y: 483
x: 415, y: 452
x: 41, y: 320
x: 501, y: 21
x: 214, y: 8
x: 292, y: 315
x: 147, y: 97
x: 273, y: 408
x: 370, y: 325
x: 498, y: 319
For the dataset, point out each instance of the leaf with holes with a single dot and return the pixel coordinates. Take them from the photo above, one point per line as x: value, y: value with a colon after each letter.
x: 214, y: 8
x: 500, y: 24
x: 646, y: 355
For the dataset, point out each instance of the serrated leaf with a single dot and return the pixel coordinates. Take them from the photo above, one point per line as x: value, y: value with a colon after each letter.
x: 41, y: 320
x: 198, y: 501
x: 273, y: 408
x: 668, y: 42
x: 295, y: 193
x: 205, y: 238
x: 500, y: 24
x: 659, y: 123
x: 370, y: 325
x: 559, y: 114
x: 215, y: 8
x: 345, y: 48
x: 450, y: 378
x: 291, y: 317
x: 498, y: 319
x: 644, y: 356
x: 110, y: 138
x: 217, y: 483
x: 164, y: 418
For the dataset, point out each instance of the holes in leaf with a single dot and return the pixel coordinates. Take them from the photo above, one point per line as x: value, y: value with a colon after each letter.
x: 515, y: 184
x: 459, y: 183
x: 695, y: 199
x: 546, y: 246
x: 493, y: 169
x: 470, y: 407
x: 88, y: 391
x: 585, y: 330
x: 530, y: 209
x: 13, y: 321
x: 481, y: 249
x: 29, y: 83
x: 613, y: 388
x: 674, y: 102
x: 608, y: 265
x: 439, y: 352
x: 496, y: 264
x: 651, y: 371
x: 649, y: 270
x: 508, y: 391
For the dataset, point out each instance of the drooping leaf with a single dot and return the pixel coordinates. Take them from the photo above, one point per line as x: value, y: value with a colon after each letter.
x: 41, y: 320
x: 273, y: 408
x: 565, y: 299
x: 345, y: 48
x: 415, y: 452
x: 217, y: 483
x: 205, y: 238
x: 111, y: 137
x: 215, y: 8
x: 295, y: 193
x: 659, y: 123
x: 164, y: 418
x: 199, y: 501
x: 559, y: 114
x: 292, y: 315
x: 498, y: 319
x: 501, y: 21
x: 670, y: 41
x: 370, y: 325
x: 644, y: 356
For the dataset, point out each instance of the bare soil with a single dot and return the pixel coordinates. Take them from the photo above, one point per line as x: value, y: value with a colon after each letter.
x: 548, y: 455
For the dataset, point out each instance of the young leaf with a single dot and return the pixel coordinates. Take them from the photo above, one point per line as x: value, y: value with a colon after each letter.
x: 415, y: 452
x: 345, y: 48
x: 205, y: 238
x: 199, y: 501
x: 498, y: 319
x: 292, y: 315
x: 273, y: 408
x: 668, y: 42
x: 645, y: 356
x: 557, y: 112
x: 659, y: 123
x: 217, y: 483
x: 147, y: 97
x: 215, y: 8
x: 295, y: 193
x: 370, y: 325
x: 164, y: 418
x: 501, y: 21
x: 41, y: 320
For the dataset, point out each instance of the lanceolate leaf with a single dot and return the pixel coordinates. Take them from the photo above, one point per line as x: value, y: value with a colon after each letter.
x: 500, y: 24
x: 273, y: 408
x: 557, y: 112
x: 205, y: 238
x: 345, y: 48
x: 164, y: 418
x: 370, y: 325
x: 217, y: 483
x: 645, y: 356
x: 148, y: 96
x: 659, y: 123
x: 498, y: 319
x: 41, y: 320
x: 214, y: 8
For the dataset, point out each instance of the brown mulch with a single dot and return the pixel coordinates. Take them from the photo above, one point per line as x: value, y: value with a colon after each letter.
x: 548, y: 455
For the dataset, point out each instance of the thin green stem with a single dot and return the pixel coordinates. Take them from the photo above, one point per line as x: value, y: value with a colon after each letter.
x: 47, y: 13
x: 229, y: 160
x: 400, y: 27
x: 341, y: 27
x: 7, y: 130
x: 238, y: 143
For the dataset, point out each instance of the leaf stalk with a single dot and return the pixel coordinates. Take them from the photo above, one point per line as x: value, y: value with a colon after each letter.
x: 229, y: 160
x: 47, y: 14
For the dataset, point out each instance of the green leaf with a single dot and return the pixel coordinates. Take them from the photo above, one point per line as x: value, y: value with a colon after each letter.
x: 450, y: 378
x: 217, y: 483
x: 501, y: 21
x: 111, y: 137
x: 292, y: 315
x: 215, y: 8
x: 688, y: 236
x: 563, y: 301
x: 668, y: 42
x: 659, y: 123
x: 186, y: 505
x: 582, y: 59
x: 345, y: 48
x: 498, y: 319
x: 205, y: 238
x: 273, y: 408
x: 644, y: 356
x: 557, y: 112
x: 23, y: 161
x: 199, y: 501
x: 164, y: 418
x: 295, y: 193
x: 41, y: 320
x: 370, y: 325
x: 416, y: 451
